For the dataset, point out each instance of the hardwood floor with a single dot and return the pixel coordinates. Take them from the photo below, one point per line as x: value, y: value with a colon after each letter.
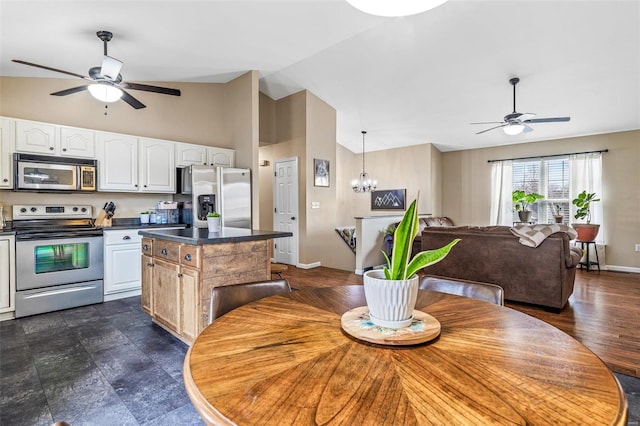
x: 603, y: 313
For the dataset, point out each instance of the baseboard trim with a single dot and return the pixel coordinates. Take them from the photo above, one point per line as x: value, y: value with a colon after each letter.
x: 308, y: 265
x: 614, y: 268
x: 122, y: 295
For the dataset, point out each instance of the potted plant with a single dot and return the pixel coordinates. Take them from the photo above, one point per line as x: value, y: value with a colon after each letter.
x: 586, y: 231
x: 391, y: 292
x: 144, y: 217
x: 521, y: 202
x: 558, y: 213
x: 213, y: 221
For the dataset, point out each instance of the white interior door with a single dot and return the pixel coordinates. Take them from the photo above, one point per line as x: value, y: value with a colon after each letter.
x: 285, y: 216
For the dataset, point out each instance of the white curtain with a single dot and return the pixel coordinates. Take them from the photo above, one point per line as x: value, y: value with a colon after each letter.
x: 501, y: 188
x: 585, y: 171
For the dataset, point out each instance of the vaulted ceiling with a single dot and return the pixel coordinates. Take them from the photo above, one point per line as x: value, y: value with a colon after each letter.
x: 411, y: 80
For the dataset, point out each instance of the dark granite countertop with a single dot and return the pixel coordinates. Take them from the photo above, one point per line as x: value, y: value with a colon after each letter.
x: 201, y: 236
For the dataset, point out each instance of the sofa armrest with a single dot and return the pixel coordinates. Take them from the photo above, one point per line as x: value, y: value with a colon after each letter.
x: 575, y: 254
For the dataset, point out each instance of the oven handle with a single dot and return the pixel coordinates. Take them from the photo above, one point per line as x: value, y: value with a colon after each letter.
x: 57, y: 235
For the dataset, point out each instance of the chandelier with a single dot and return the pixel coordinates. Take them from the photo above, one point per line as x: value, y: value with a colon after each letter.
x: 395, y: 7
x: 363, y: 183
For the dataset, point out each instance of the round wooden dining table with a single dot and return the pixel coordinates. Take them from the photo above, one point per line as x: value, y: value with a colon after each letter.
x: 285, y: 360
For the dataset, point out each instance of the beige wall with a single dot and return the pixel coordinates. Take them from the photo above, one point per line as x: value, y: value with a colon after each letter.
x: 466, y: 186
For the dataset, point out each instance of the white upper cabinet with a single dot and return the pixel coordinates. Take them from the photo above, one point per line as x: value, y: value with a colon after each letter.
x: 117, y: 162
x: 188, y: 154
x: 7, y: 138
x: 221, y: 157
x: 77, y: 142
x: 157, y: 165
x: 48, y: 139
x: 35, y: 138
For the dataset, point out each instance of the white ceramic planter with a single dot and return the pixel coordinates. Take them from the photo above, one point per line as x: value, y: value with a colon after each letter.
x: 213, y: 223
x: 144, y: 218
x: 390, y: 302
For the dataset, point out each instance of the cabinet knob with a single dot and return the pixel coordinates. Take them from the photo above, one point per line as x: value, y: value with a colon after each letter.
x: 179, y: 275
x: 187, y: 257
x: 126, y: 237
x: 5, y: 180
x: 64, y: 149
x: 136, y: 185
x: 145, y: 186
x: 145, y: 247
x: 50, y: 148
x: 164, y: 251
x: 149, y: 264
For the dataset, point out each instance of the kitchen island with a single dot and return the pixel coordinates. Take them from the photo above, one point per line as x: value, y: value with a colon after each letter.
x: 181, y: 266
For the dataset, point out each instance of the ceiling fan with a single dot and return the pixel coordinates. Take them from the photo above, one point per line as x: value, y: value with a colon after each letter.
x: 516, y: 122
x: 106, y: 80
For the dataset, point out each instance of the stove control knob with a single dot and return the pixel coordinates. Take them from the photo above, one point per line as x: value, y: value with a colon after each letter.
x: 23, y: 210
x: 83, y: 210
x: 33, y: 209
x: 75, y: 209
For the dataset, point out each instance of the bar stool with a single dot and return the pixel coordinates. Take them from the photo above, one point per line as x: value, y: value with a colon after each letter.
x: 278, y: 269
x: 588, y: 262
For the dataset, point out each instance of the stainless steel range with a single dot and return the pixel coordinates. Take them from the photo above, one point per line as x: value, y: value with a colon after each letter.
x: 59, y: 258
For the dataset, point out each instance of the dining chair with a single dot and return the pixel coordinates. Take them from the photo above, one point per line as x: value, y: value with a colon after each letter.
x: 227, y: 298
x: 476, y: 290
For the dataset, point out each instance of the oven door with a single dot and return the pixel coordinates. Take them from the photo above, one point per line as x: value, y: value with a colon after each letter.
x: 48, y: 262
x: 45, y: 176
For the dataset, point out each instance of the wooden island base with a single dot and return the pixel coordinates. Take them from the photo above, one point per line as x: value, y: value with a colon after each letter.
x: 177, y: 278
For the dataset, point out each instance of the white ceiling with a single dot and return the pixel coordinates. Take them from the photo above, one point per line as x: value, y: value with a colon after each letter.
x: 413, y: 80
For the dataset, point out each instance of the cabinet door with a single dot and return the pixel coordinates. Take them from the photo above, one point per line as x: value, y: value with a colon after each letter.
x: 77, y: 143
x: 7, y: 138
x: 166, y: 294
x: 157, y: 168
x: 190, y: 318
x: 221, y: 157
x: 188, y: 154
x: 146, y: 297
x: 122, y: 268
x: 117, y: 162
x: 37, y: 138
x: 7, y: 274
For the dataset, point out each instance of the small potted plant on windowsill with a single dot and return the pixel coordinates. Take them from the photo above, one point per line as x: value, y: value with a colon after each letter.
x: 586, y: 231
x: 213, y: 221
x: 391, y: 292
x: 558, y: 215
x: 521, y: 202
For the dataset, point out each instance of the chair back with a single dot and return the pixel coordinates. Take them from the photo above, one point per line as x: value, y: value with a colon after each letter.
x: 227, y: 298
x: 482, y: 291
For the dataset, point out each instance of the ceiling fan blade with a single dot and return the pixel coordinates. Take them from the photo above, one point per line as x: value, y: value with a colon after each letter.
x: 132, y: 101
x: 44, y: 67
x: 70, y: 91
x: 489, y: 122
x: 492, y: 128
x: 110, y: 67
x: 547, y: 120
x: 155, y: 89
x: 527, y: 129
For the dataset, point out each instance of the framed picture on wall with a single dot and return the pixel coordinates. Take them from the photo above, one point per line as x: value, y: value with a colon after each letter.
x: 389, y: 199
x: 321, y: 172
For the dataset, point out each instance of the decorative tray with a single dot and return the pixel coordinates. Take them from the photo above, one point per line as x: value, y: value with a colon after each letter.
x: 423, y: 328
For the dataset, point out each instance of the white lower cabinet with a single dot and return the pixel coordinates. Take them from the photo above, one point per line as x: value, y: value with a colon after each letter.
x: 122, y: 268
x: 7, y: 276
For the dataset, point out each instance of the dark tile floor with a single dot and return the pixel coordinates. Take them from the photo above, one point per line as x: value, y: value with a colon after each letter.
x: 108, y: 364
x: 105, y: 364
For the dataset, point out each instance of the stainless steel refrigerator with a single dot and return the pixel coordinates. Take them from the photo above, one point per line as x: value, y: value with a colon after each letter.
x: 204, y: 189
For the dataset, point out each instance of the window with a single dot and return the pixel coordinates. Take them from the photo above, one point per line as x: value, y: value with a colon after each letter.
x: 548, y: 177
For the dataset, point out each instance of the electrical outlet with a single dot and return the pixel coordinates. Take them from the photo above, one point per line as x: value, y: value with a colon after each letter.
x: 637, y: 247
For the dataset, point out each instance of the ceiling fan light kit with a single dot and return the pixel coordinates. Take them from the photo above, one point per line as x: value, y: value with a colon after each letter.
x: 394, y: 8
x: 106, y: 81
x: 516, y: 123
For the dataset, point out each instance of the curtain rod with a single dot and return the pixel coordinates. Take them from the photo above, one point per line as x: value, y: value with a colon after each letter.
x: 548, y: 156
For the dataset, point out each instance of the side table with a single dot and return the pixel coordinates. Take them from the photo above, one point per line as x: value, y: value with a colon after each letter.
x: 588, y: 261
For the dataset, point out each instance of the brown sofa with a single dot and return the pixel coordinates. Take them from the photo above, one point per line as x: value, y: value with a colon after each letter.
x: 541, y: 276
x: 424, y: 222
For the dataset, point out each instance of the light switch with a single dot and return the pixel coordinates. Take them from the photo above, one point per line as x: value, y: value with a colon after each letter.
x: 315, y: 204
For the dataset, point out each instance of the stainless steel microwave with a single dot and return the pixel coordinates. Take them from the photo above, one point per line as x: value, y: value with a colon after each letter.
x: 45, y: 173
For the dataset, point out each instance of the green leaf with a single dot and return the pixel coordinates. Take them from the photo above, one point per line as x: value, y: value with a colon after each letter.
x: 429, y: 257
x: 402, y: 243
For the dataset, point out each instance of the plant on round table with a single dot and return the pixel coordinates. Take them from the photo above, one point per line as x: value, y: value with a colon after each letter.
x: 391, y: 293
